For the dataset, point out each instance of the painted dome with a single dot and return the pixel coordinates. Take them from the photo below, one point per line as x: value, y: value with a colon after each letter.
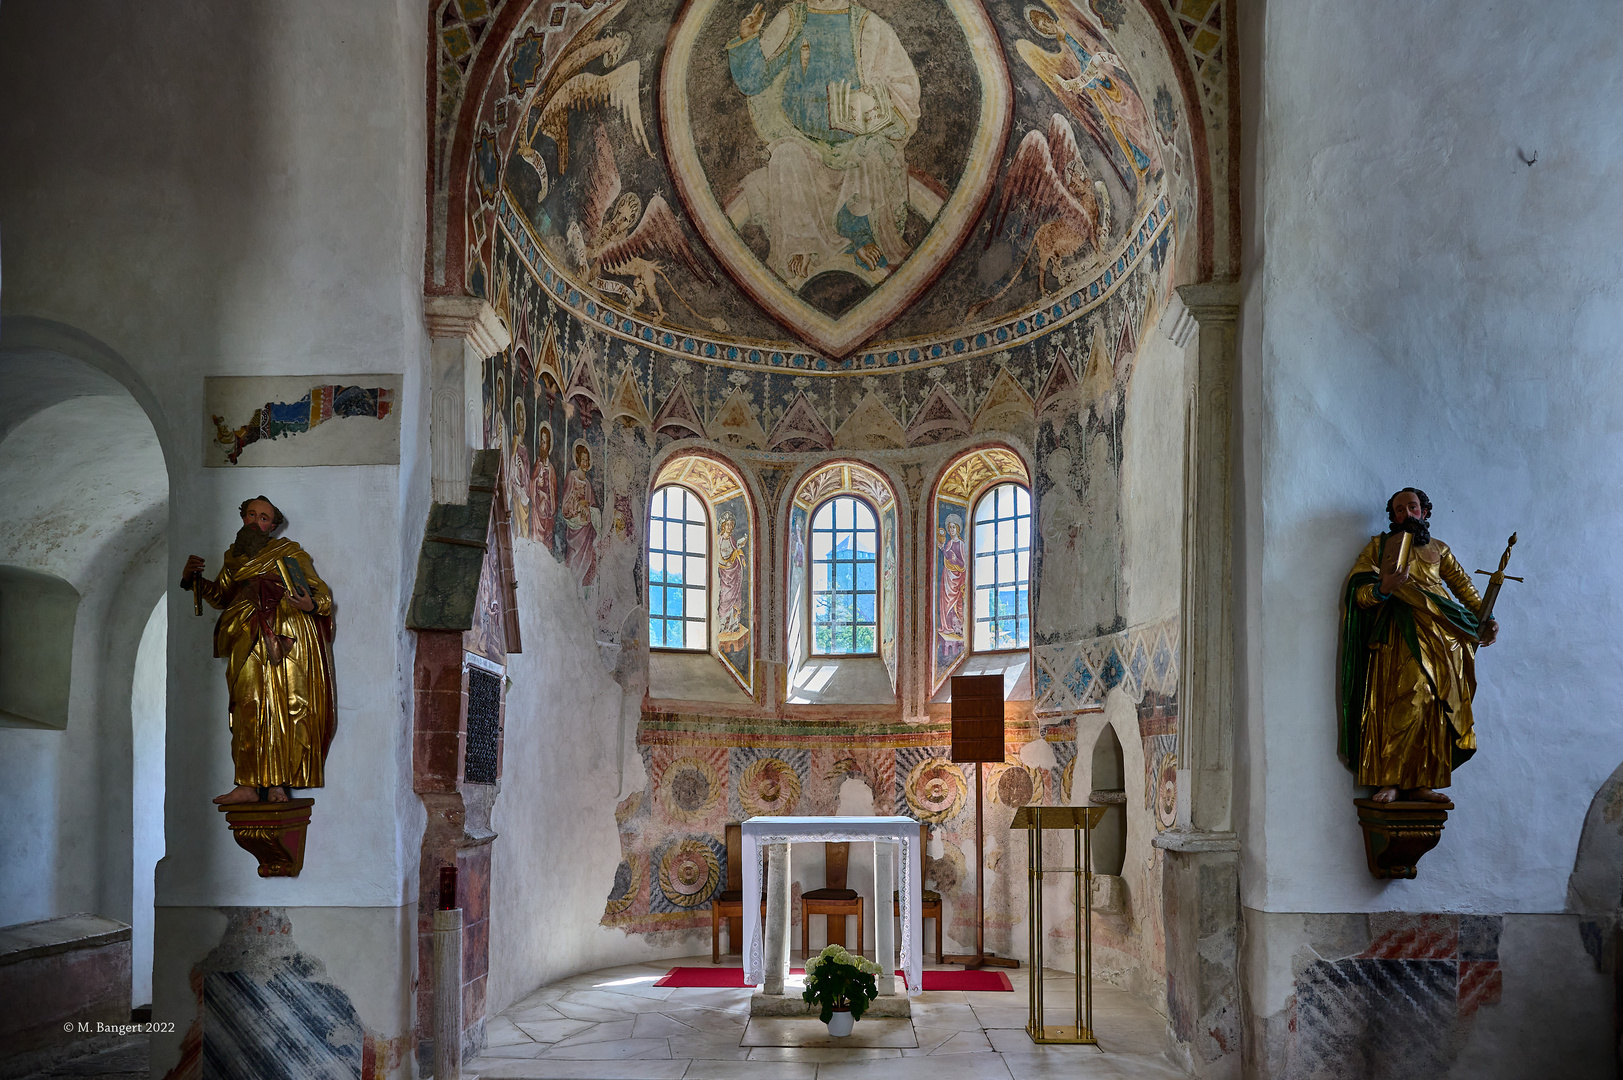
x: 815, y: 185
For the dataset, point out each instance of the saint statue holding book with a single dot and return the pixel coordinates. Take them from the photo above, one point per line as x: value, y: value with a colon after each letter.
x: 275, y: 634
x: 835, y: 98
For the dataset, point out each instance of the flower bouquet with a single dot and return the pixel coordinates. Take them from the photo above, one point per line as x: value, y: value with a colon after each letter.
x: 841, y: 985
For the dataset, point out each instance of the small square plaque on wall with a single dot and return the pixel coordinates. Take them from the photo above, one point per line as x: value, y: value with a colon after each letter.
x: 977, y: 718
x: 286, y: 420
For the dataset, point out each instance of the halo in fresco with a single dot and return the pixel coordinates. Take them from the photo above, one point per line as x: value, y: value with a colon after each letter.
x: 822, y: 200
x: 689, y: 871
x: 691, y: 789
x: 768, y: 786
x: 936, y: 790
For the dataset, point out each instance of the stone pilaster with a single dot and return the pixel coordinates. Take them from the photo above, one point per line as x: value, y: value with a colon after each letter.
x: 463, y: 331
x: 1201, y: 890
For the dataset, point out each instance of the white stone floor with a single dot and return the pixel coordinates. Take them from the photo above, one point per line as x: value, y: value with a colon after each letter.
x: 615, y: 1024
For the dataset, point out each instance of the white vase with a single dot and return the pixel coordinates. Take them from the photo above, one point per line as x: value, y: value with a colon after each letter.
x: 839, y: 1025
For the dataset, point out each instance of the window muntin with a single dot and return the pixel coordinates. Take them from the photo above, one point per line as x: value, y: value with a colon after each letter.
x: 678, y: 570
x: 1002, y: 569
x: 844, y: 578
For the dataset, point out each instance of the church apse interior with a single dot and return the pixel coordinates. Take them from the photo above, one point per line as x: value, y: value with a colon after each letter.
x: 648, y: 407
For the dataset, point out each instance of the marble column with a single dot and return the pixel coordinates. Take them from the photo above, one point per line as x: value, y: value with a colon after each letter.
x: 884, y: 925
x: 464, y: 331
x: 777, y: 918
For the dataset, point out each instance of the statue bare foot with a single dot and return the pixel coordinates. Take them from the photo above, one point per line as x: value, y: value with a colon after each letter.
x: 240, y: 794
x: 276, y: 794
x: 1386, y: 794
x: 1425, y: 794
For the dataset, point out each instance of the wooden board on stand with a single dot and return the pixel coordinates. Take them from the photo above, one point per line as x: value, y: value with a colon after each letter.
x: 977, y: 737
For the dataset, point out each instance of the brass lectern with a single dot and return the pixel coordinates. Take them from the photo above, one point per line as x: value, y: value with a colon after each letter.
x: 1081, y: 820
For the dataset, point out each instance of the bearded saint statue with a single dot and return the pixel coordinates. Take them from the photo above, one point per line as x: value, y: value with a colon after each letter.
x: 1408, y: 659
x: 275, y: 634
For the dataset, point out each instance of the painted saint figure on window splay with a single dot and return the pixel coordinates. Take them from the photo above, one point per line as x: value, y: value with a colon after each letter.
x: 732, y: 578
x: 275, y: 635
x: 835, y: 98
x: 579, y: 510
x: 1408, y: 658
x: 954, y: 582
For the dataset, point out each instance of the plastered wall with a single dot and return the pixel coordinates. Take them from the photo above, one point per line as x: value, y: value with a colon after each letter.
x: 1432, y: 299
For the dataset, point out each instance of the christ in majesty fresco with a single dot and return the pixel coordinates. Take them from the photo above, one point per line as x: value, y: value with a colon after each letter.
x: 835, y: 98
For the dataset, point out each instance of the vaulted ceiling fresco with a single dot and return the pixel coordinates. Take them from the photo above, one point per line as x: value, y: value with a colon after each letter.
x: 820, y: 186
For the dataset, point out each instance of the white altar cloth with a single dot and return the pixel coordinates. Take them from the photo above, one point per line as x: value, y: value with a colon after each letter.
x: 759, y: 832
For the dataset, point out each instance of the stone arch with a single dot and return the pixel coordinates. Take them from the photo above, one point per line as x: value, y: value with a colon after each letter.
x: 87, y: 496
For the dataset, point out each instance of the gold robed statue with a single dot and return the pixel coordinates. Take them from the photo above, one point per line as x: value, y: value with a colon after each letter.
x: 1408, y: 658
x: 275, y: 634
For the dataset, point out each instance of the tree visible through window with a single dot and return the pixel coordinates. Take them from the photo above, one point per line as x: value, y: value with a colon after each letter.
x: 845, y: 578
x: 1003, y: 568
x: 678, y: 570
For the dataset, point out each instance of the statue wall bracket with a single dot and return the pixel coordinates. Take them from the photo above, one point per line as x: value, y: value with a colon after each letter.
x: 1398, y: 833
x: 273, y: 833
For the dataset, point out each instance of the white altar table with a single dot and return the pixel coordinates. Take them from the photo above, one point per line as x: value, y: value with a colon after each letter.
x: 768, y: 968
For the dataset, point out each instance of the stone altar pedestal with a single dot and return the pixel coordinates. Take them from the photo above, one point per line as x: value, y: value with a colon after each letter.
x: 766, y: 963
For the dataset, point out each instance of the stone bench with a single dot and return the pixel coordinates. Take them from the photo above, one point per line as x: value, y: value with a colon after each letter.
x: 74, y: 970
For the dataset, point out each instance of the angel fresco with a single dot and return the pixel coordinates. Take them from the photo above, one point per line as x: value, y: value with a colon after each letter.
x: 1093, y: 85
x: 835, y: 98
x: 570, y: 89
x: 1049, y: 187
x: 623, y: 238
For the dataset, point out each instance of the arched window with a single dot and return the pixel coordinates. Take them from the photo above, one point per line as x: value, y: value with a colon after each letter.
x: 678, y: 570
x: 980, y: 591
x: 845, y: 578
x: 1002, y: 569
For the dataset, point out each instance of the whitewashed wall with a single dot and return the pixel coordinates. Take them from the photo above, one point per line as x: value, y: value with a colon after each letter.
x: 203, y: 190
x: 1424, y: 307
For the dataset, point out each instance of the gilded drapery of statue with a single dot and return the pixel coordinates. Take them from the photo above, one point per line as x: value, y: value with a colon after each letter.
x: 1408, y: 663
x: 279, y: 668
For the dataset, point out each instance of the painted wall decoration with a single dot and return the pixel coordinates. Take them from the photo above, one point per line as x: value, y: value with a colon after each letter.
x: 953, y: 509
x: 845, y: 222
x: 596, y: 215
x: 300, y: 420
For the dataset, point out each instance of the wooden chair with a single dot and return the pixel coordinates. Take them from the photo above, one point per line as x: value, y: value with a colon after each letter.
x: 729, y: 903
x: 931, y: 904
x: 834, y: 900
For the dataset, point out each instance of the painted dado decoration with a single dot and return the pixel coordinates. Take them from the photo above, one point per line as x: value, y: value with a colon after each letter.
x: 881, y: 257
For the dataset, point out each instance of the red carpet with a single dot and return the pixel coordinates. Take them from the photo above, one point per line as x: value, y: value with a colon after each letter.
x: 733, y: 977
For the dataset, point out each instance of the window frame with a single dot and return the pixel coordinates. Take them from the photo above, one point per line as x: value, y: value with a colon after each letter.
x: 708, y: 645
x: 973, y: 619
x: 809, y: 616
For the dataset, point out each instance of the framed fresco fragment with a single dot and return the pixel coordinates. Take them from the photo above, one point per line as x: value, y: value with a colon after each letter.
x: 794, y: 141
x: 301, y: 420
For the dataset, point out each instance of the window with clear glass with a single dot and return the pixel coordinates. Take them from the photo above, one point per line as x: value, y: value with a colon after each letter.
x: 1002, y: 568
x: 678, y: 570
x: 845, y: 578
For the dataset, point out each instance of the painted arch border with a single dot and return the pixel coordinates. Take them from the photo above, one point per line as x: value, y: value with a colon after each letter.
x: 961, y: 213
x: 1001, y: 461
x: 677, y: 468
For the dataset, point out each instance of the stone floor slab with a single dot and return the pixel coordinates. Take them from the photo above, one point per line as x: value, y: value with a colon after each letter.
x: 868, y: 1032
